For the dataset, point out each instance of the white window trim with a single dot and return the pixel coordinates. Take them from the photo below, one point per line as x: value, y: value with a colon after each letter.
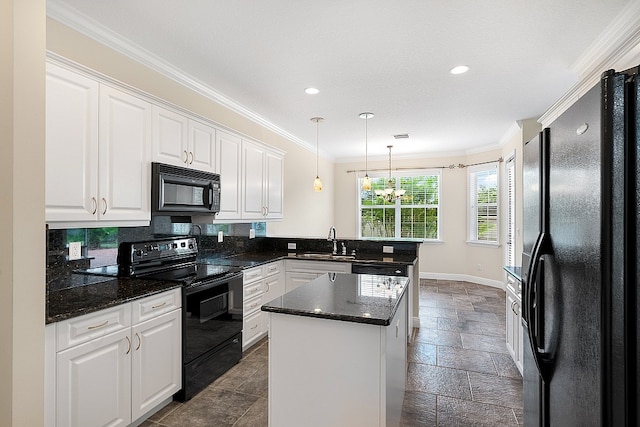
x: 510, y: 159
x: 472, y: 209
x: 407, y: 172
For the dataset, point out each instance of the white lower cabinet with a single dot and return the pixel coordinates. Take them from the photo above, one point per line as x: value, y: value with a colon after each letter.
x: 109, y: 371
x: 261, y: 285
x: 299, y: 272
x: 514, y: 323
x: 94, y: 382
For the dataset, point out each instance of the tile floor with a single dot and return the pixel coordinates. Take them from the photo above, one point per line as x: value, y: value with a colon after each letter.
x: 460, y: 373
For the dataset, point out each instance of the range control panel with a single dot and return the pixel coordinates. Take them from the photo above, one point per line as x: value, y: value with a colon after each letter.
x: 136, y: 252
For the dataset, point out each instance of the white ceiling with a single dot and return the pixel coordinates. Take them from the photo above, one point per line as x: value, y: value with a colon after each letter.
x: 388, y: 57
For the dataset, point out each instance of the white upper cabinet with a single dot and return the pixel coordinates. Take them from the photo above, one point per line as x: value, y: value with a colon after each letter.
x: 262, y: 180
x: 170, y: 134
x: 97, y: 151
x: 125, y: 154
x: 101, y: 140
x: 181, y: 141
x: 229, y: 167
x: 72, y: 146
x: 202, y: 146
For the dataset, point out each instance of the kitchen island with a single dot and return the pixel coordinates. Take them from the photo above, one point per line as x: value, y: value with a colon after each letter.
x: 337, y: 352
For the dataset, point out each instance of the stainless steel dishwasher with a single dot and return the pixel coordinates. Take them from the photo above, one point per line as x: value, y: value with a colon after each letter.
x: 380, y: 269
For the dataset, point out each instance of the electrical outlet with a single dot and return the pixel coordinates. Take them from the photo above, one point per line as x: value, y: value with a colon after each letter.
x: 291, y: 246
x: 387, y: 249
x: 252, y: 233
x: 220, y: 236
x: 479, y: 267
x: 75, y: 250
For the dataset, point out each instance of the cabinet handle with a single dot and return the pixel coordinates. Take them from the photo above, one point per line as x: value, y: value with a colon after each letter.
x: 129, y: 342
x: 191, y: 156
x: 95, y: 205
x: 254, y: 305
x: 186, y: 157
x: 268, y: 287
x: 98, y: 326
x: 104, y: 201
x: 254, y: 326
x: 139, y: 342
x: 159, y: 305
x: 253, y: 291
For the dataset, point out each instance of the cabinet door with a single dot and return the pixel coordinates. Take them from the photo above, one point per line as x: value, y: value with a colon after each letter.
x: 202, y: 146
x: 229, y: 147
x: 94, y: 383
x: 274, y: 185
x: 511, y: 319
x: 253, y: 203
x: 295, y: 279
x: 170, y: 138
x: 157, y: 362
x: 125, y: 153
x: 71, y: 146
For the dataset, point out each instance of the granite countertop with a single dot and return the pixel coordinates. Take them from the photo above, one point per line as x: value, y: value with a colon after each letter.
x: 72, y: 295
x: 515, y: 272
x: 254, y: 259
x: 80, y: 294
x: 360, y: 298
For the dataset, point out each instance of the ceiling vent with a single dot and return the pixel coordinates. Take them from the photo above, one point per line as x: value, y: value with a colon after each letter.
x: 401, y: 136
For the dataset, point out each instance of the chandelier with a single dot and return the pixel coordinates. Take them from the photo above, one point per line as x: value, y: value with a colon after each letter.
x: 389, y: 193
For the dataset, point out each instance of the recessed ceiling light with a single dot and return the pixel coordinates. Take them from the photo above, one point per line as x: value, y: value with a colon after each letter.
x: 311, y: 91
x: 460, y: 69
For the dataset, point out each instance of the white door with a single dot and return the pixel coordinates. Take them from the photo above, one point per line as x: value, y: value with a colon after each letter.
x: 229, y: 147
x: 170, y: 140
x: 125, y: 153
x: 202, y: 146
x: 71, y: 146
x: 253, y: 203
x: 274, y: 185
x: 157, y: 362
x: 94, y: 383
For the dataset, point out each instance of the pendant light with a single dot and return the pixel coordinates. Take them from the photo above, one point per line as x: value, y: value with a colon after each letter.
x: 366, y: 182
x: 317, y: 183
x: 389, y: 193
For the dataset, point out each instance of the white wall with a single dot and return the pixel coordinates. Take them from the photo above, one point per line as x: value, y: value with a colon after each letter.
x: 452, y: 258
x: 306, y: 212
x: 22, y: 257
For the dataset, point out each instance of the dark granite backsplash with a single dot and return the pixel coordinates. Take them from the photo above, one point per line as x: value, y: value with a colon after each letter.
x: 236, y: 241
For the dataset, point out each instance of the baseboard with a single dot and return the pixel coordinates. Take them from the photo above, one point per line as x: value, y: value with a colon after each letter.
x: 463, y: 278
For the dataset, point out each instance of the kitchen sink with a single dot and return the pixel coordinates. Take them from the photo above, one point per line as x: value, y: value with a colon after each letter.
x: 323, y: 255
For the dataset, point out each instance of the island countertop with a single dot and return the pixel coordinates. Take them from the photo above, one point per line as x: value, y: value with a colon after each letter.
x: 360, y: 298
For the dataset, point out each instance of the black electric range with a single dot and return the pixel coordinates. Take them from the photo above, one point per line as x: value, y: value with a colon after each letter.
x: 211, y: 304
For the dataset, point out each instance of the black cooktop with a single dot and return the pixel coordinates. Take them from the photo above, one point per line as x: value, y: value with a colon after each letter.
x: 188, y: 275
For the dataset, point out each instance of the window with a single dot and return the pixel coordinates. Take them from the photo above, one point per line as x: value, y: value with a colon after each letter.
x: 510, y: 168
x: 483, y: 203
x: 414, y: 215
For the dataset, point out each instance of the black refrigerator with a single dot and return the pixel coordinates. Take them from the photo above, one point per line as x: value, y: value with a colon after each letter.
x: 580, y: 261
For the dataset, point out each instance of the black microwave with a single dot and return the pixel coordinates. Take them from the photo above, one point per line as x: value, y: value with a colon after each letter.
x: 182, y: 192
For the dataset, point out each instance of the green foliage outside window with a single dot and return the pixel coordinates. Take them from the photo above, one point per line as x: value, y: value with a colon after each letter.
x: 415, y: 214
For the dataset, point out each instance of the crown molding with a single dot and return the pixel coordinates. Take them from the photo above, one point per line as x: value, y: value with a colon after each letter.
x: 616, y: 47
x: 81, y: 23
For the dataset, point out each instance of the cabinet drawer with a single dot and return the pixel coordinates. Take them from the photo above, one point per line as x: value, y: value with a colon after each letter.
x: 273, y: 268
x: 252, y: 305
x: 155, y: 305
x: 84, y: 328
x: 252, y: 274
x: 252, y: 290
x: 253, y: 326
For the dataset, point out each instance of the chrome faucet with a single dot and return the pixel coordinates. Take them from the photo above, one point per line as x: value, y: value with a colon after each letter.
x: 332, y: 230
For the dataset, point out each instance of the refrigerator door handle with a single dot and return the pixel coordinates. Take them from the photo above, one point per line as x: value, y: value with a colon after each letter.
x: 534, y: 312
